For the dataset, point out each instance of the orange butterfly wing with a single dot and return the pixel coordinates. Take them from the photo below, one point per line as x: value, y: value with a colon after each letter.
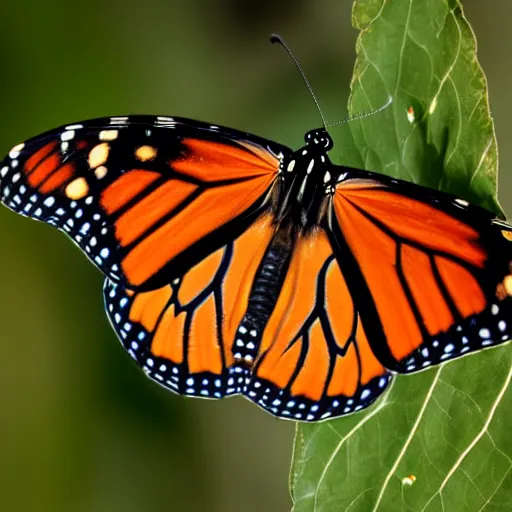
x: 182, y: 333
x: 431, y: 266
x: 315, y: 361
x: 225, y: 181
x: 145, y: 198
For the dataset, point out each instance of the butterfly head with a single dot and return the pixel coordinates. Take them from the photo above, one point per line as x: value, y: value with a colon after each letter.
x: 319, y: 138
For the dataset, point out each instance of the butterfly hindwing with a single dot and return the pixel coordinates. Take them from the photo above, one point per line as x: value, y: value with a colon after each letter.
x: 433, y: 270
x: 182, y: 333
x: 124, y: 188
x: 314, y: 359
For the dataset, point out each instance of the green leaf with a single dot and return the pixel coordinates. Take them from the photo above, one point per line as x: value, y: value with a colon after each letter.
x: 422, y: 55
x: 448, y: 427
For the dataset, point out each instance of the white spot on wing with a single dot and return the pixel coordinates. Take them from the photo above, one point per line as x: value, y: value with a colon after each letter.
x: 67, y: 135
x: 108, y: 135
x: 119, y: 120
x: 16, y: 150
x: 169, y: 121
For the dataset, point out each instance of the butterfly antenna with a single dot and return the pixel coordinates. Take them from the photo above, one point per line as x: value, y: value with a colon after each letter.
x: 365, y: 114
x: 274, y: 38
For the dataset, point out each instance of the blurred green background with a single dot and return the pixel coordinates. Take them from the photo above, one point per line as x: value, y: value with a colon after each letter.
x: 81, y: 428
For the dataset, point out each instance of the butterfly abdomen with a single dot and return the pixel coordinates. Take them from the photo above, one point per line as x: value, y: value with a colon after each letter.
x: 268, y: 282
x: 262, y: 300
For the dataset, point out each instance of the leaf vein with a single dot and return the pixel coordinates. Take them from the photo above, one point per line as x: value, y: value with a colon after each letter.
x: 343, y: 440
x: 409, y: 438
x: 475, y: 441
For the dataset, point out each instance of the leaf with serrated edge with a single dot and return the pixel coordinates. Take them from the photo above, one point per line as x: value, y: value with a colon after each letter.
x: 448, y: 427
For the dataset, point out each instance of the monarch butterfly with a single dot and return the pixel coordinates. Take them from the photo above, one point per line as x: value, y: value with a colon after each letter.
x: 236, y: 266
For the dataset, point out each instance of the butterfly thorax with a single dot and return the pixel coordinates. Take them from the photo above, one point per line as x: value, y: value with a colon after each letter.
x: 306, y: 175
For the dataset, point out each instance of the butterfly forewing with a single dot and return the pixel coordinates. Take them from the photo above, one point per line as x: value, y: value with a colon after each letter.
x: 124, y: 188
x: 433, y: 271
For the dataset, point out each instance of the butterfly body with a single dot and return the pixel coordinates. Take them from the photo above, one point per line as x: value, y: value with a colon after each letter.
x: 234, y: 265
